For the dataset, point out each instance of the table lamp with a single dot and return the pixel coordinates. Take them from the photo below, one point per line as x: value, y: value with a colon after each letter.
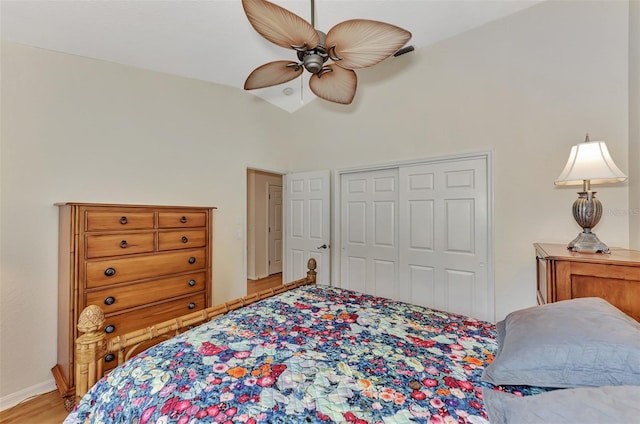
x: 589, y: 163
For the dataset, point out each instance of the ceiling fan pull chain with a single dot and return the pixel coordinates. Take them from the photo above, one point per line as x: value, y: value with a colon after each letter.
x: 302, y: 90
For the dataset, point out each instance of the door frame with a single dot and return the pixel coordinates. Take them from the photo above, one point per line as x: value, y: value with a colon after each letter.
x: 270, y: 247
x: 336, y: 221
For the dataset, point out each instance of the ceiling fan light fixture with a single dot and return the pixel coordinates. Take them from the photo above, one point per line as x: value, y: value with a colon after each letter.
x: 313, y: 62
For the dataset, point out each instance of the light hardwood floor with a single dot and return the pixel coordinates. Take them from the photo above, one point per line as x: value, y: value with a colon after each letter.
x: 49, y: 407
x: 264, y: 283
x: 44, y: 409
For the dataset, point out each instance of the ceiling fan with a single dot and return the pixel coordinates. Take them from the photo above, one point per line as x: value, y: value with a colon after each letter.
x: 331, y: 57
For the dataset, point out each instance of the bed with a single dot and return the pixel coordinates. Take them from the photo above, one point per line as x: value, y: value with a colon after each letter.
x: 319, y: 354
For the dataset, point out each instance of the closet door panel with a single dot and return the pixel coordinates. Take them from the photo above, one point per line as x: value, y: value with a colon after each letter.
x: 369, y: 259
x: 449, y: 236
x: 459, y: 227
x: 421, y: 223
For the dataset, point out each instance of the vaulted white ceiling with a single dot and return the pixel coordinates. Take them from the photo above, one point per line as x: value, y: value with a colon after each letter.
x: 212, y: 40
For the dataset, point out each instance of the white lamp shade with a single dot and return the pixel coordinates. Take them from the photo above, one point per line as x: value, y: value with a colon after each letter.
x: 590, y: 161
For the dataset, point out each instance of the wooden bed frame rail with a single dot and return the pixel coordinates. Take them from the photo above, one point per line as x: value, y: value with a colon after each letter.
x: 93, y: 345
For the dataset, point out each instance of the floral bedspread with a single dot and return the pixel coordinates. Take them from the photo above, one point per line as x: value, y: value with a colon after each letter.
x: 315, y: 354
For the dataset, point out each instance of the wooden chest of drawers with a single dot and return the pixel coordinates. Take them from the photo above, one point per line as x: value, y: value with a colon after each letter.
x: 140, y: 264
x: 563, y: 274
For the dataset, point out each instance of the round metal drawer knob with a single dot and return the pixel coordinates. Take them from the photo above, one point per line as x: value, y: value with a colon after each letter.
x: 192, y: 305
x: 124, y: 220
x: 109, y: 357
x: 192, y: 260
x: 110, y: 329
x: 110, y: 300
x: 124, y: 244
x: 110, y: 272
x: 183, y: 219
x: 185, y: 239
x: 192, y: 283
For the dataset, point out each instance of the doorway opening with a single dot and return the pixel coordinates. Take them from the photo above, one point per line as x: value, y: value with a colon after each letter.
x: 264, y: 229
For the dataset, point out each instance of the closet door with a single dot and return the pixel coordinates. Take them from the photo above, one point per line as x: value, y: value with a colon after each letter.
x: 369, y: 217
x: 444, y: 237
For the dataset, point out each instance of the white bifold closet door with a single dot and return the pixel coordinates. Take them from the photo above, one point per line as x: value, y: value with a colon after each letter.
x: 369, y: 262
x: 419, y: 234
x: 443, y: 237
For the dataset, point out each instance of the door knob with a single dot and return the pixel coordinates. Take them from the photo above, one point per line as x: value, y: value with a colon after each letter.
x: 324, y: 246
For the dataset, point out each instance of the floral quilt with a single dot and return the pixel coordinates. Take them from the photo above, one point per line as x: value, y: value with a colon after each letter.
x: 315, y: 354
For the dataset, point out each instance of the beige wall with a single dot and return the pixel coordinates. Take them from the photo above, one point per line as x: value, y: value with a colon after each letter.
x: 527, y: 88
x: 634, y: 124
x: 74, y: 129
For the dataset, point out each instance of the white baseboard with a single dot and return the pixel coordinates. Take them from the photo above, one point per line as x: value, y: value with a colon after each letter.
x: 13, y: 399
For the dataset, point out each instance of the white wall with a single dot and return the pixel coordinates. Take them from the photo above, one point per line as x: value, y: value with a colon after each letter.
x: 74, y: 129
x: 251, y: 218
x: 526, y: 87
x: 634, y: 124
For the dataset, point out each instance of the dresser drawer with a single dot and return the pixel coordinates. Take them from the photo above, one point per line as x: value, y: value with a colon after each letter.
x: 116, y: 299
x: 182, y: 219
x: 181, y: 239
x: 118, y: 324
x: 118, y: 220
x: 119, y: 244
x: 112, y: 271
x: 145, y: 317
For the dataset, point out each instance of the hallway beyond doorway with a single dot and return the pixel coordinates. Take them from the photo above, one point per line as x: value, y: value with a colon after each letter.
x: 271, y: 281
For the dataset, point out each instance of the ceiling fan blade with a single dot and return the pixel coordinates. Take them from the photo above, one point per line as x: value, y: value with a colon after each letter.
x: 273, y: 73
x: 278, y: 25
x: 360, y: 43
x: 338, y: 86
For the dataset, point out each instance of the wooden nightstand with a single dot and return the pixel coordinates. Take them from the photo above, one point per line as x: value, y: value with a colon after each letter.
x: 563, y: 274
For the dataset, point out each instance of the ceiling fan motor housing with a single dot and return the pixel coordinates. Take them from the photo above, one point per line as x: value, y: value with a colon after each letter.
x: 313, y: 60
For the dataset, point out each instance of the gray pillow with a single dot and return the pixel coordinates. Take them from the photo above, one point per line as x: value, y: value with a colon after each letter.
x: 608, y: 404
x: 572, y: 343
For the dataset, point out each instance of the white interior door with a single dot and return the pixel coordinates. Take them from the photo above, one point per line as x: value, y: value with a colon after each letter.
x: 275, y: 229
x: 419, y: 233
x: 443, y: 230
x: 369, y: 242
x: 307, y: 224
